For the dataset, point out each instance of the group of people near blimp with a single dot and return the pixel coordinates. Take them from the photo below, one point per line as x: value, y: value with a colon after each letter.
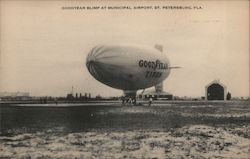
x: 132, y: 101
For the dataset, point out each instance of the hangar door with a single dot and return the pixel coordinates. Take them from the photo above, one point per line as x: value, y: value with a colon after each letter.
x: 215, y: 92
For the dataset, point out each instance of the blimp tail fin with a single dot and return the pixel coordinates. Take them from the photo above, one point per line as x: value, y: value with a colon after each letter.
x: 159, y: 47
x: 159, y: 86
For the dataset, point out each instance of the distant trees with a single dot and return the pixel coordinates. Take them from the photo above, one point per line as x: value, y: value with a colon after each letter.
x: 228, y: 96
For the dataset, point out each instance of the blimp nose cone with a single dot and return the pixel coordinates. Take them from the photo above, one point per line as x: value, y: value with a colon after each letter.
x: 91, y: 63
x: 104, y: 64
x: 95, y: 54
x: 94, y: 61
x: 92, y: 56
x: 90, y: 60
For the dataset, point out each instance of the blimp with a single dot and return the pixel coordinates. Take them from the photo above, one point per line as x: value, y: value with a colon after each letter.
x: 128, y: 67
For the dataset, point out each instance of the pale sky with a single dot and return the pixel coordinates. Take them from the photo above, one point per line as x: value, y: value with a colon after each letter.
x: 43, y: 47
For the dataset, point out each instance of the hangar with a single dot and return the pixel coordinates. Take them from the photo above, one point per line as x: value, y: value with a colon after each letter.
x: 215, y: 91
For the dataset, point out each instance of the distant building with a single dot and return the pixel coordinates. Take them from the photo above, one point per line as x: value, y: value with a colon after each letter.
x: 70, y: 96
x: 15, y: 96
x: 158, y: 93
x: 216, y: 91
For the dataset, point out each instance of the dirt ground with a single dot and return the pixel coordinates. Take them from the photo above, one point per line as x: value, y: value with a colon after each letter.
x: 164, y: 130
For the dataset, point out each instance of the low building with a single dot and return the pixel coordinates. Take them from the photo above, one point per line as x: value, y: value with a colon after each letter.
x: 157, y: 95
x: 15, y: 96
x: 216, y: 91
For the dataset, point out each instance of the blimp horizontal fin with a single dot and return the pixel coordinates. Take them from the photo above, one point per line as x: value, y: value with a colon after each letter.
x: 175, y: 67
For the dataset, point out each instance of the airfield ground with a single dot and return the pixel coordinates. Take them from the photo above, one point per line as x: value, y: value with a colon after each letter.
x: 164, y: 130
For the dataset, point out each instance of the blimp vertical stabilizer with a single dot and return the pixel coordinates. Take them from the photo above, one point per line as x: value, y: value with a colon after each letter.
x: 159, y: 87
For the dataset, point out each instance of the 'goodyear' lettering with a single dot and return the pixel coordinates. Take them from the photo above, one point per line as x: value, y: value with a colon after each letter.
x: 153, y: 64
